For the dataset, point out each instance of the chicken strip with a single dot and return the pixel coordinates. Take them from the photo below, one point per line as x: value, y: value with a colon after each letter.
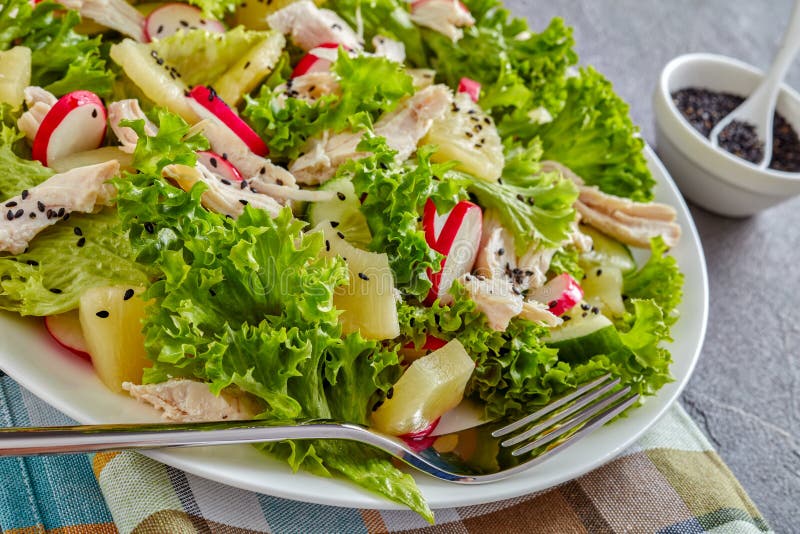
x: 223, y: 197
x: 444, y: 16
x: 310, y: 26
x: 402, y: 128
x: 186, y: 401
x: 501, y: 302
x: 632, y: 223
x: 115, y: 14
x: 39, y: 102
x: 389, y: 48
x: 128, y: 110
x: 79, y: 190
x: 309, y: 87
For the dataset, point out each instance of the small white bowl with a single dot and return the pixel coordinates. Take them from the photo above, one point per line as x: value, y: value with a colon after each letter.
x: 713, y: 177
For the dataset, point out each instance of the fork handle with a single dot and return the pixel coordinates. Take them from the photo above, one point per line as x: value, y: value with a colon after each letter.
x: 96, y: 438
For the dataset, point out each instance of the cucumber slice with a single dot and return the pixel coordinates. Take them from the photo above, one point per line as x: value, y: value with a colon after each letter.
x: 344, y: 209
x: 607, y: 251
x: 602, y: 287
x: 581, y: 338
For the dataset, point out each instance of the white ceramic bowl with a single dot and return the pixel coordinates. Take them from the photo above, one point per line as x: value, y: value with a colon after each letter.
x: 712, y: 177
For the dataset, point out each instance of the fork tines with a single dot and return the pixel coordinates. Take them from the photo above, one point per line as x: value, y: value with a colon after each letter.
x: 585, y: 409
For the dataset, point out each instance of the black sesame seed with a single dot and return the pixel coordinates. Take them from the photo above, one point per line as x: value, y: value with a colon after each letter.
x: 377, y: 405
x: 390, y: 393
x: 33, y: 263
x: 11, y: 204
x: 25, y: 194
x: 32, y: 215
x: 243, y: 202
x: 66, y: 217
x: 247, y: 64
x: 149, y: 228
x: 599, y: 272
x: 77, y: 231
x: 184, y: 23
x: 327, y: 245
x: 585, y: 307
x: 41, y: 206
x: 128, y: 294
x: 243, y: 184
x: 584, y: 314
x: 212, y: 292
x: 341, y: 195
x: 103, y: 314
x: 55, y: 290
x: 336, y: 26
x: 501, y: 251
x: 226, y: 182
x: 334, y: 224
x: 253, y: 190
x: 10, y: 215
x: 160, y: 29
x: 154, y: 54
x: 81, y: 242
x: 262, y: 170
x: 552, y: 304
x: 566, y: 317
x: 61, y: 212
x: 340, y: 234
x: 94, y: 113
x: 279, y: 181
x: 225, y: 156
x: 213, y: 162
x: 486, y: 120
x: 363, y: 276
x: 595, y: 310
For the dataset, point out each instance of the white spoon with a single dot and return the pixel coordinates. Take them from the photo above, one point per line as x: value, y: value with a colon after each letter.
x: 759, y: 108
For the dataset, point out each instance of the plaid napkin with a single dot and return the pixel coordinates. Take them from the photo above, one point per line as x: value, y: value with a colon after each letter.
x: 671, y: 481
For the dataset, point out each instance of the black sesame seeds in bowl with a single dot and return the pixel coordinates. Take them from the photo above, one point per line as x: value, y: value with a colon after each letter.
x: 695, y: 91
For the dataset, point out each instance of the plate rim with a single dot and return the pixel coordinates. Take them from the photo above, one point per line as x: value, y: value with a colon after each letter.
x: 183, y: 459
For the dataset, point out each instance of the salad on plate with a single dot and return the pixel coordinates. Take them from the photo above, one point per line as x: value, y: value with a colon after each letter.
x: 375, y: 212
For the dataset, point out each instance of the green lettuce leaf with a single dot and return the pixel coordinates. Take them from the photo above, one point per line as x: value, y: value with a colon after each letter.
x: 171, y: 144
x: 369, y: 86
x: 17, y: 173
x: 394, y: 219
x: 201, y: 57
x: 660, y: 279
x: 593, y: 135
x: 216, y: 8
x: 51, y: 276
x: 62, y: 60
x: 535, y: 207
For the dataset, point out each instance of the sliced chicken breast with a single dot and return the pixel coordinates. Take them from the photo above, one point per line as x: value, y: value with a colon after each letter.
x: 310, y: 26
x: 79, y: 190
x: 128, y: 110
x: 402, y: 128
x: 182, y: 400
x: 500, y: 301
x: 444, y: 16
x: 39, y: 102
x: 115, y: 14
x: 389, y: 48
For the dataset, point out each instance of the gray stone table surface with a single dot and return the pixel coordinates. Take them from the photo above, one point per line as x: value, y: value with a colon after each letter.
x: 745, y: 393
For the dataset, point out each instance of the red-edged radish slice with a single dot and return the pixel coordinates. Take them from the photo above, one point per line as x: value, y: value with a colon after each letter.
x: 219, y: 165
x: 560, y: 294
x: 208, y: 105
x: 66, y: 330
x: 471, y: 87
x: 170, y: 18
x: 457, y: 235
x: 77, y: 122
x: 317, y: 59
x: 421, y: 439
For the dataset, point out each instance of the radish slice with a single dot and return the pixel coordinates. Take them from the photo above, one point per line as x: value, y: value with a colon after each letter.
x: 422, y: 439
x: 77, y: 122
x: 170, y: 18
x: 317, y: 59
x: 411, y: 352
x: 457, y: 235
x: 560, y: 294
x: 66, y: 330
x: 207, y: 104
x: 219, y: 166
x: 471, y: 87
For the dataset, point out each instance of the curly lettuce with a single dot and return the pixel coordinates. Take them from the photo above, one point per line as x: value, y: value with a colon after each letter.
x: 62, y: 59
x: 369, y: 86
x: 659, y: 279
x: 19, y: 173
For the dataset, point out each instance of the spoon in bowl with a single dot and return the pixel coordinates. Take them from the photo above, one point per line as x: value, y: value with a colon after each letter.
x: 759, y: 108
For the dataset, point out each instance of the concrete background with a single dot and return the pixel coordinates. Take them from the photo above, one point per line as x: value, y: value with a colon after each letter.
x: 745, y: 393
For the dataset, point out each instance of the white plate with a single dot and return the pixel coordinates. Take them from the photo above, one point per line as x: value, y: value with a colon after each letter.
x: 34, y: 360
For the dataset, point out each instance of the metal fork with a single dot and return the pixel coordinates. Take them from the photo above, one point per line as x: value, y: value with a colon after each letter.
x: 477, y: 455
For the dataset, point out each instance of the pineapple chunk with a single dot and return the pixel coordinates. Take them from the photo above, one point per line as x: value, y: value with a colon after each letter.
x: 92, y: 157
x: 112, y: 327
x: 15, y: 75
x: 431, y: 386
x: 156, y: 81
x: 367, y: 303
x: 468, y: 135
x: 250, y: 70
x: 602, y: 287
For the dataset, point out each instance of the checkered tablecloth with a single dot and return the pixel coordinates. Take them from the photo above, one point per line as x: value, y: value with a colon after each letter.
x: 671, y: 481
